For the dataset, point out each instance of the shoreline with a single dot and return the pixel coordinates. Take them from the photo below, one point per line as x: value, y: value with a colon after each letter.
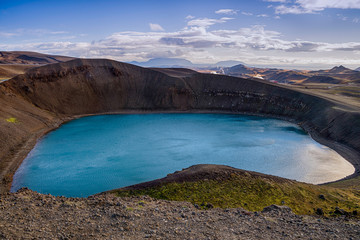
x: 349, y: 154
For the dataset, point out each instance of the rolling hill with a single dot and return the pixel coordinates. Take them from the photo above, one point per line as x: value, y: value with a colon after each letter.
x: 11, y: 70
x: 34, y: 58
x: 15, y: 63
x: 336, y: 75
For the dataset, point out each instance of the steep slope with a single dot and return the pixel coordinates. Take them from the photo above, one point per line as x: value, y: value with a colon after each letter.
x: 17, y: 57
x: 88, y: 86
x: 11, y: 70
x: 21, y: 124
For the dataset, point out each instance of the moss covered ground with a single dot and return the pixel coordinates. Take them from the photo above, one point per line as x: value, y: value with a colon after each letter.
x: 254, y: 194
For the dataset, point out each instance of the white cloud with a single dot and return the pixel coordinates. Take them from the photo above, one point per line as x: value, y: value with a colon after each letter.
x: 156, y: 27
x: 282, y: 9
x: 342, y: 17
x: 356, y: 20
x: 313, y: 6
x: 281, y: 1
x: 319, y: 5
x: 247, y: 13
x: 197, y: 43
x: 256, y: 38
x: 262, y: 15
x: 189, y: 17
x: 58, y: 32
x: 32, y: 32
x: 226, y: 11
x: 7, y: 34
x: 206, y: 22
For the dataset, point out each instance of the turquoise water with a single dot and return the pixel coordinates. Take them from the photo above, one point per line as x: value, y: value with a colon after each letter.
x: 98, y: 153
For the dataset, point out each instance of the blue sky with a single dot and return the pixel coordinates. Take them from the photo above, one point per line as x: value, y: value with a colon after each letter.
x: 299, y: 34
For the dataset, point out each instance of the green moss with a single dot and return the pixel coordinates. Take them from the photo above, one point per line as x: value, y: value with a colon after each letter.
x: 254, y: 194
x: 352, y: 183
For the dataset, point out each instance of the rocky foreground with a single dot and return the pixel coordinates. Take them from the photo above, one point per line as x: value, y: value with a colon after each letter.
x: 30, y: 215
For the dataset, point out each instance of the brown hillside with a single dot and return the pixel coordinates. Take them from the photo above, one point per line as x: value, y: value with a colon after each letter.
x: 11, y: 70
x: 17, y: 57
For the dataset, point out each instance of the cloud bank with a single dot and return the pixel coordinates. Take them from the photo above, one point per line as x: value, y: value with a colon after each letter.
x: 198, y: 43
x: 313, y: 6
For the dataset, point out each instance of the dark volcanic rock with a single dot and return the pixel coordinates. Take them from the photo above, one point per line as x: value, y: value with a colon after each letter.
x: 276, y: 209
x: 340, y: 211
x: 319, y: 211
x: 322, y: 197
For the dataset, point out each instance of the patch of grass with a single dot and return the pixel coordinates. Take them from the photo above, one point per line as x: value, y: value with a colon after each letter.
x: 352, y: 183
x: 12, y: 120
x: 254, y: 194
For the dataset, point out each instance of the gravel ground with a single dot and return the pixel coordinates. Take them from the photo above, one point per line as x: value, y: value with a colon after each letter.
x: 30, y: 215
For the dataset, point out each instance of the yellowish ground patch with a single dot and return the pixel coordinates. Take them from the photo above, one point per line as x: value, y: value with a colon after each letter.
x: 12, y: 120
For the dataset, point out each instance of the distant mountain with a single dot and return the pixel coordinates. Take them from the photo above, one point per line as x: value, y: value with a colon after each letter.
x: 336, y: 75
x: 339, y: 69
x: 182, y: 63
x: 239, y: 71
x: 322, y: 79
x: 284, y: 76
x: 358, y: 69
x: 229, y: 63
x: 17, y: 57
x: 335, y: 70
x: 164, y: 63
